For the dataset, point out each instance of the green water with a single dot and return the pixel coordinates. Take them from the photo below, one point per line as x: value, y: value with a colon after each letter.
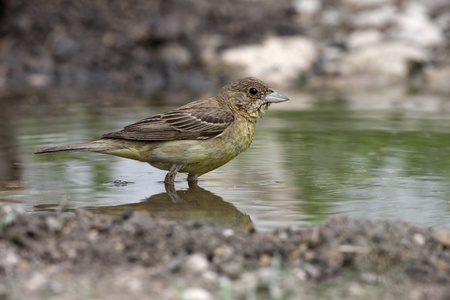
x: 304, y: 166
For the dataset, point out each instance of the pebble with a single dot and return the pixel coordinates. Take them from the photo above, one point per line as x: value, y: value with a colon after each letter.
x: 232, y: 269
x: 442, y: 236
x: 419, y: 239
x: 228, y: 232
x: 9, y: 259
x: 196, y: 263
x: 196, y: 294
x: 36, y: 282
x: 54, y: 223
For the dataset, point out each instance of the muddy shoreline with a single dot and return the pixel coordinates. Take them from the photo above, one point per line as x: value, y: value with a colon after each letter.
x: 98, y: 256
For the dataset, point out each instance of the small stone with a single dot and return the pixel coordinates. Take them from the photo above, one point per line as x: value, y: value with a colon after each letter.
x: 265, y: 273
x: 196, y: 263
x: 419, y: 239
x: 356, y: 290
x: 300, y: 274
x: 307, y: 7
x: 53, y: 223
x: 265, y: 259
x: 38, y: 80
x: 312, y: 271
x: 363, y: 38
x: 196, y: 294
x: 56, y: 286
x: 210, y: 276
x: 223, y: 253
x: 228, y: 232
x: 9, y: 259
x: 36, y: 282
x: 442, y: 236
x: 232, y: 269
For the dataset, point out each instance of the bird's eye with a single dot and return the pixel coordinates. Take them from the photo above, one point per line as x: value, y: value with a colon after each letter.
x: 253, y: 91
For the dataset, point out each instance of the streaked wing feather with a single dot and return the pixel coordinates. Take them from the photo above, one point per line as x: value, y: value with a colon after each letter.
x: 177, y: 125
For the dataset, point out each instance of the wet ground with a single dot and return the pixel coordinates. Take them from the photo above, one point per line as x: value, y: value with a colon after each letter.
x: 134, y: 256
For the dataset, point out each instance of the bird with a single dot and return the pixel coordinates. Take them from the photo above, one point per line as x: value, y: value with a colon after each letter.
x: 195, y: 138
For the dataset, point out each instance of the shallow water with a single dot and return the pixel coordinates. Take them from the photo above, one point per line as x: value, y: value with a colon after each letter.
x: 303, y: 167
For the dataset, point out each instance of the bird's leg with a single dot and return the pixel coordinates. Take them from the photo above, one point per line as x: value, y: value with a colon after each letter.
x: 170, y: 177
x: 192, y: 180
x: 170, y: 189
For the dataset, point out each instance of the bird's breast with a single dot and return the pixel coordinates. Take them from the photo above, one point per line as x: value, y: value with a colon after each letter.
x: 198, y: 156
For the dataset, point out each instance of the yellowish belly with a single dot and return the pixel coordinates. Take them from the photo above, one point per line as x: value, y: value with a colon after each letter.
x: 197, y: 156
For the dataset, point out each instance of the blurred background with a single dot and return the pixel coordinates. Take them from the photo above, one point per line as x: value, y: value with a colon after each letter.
x: 173, y: 45
x: 366, y: 132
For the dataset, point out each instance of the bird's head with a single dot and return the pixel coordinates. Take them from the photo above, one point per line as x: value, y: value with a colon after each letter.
x: 249, y: 96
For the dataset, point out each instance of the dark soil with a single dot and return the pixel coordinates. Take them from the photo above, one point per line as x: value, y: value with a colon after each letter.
x: 135, y: 256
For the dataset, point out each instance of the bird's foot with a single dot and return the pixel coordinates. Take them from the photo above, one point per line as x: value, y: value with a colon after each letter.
x: 192, y: 180
x: 170, y: 177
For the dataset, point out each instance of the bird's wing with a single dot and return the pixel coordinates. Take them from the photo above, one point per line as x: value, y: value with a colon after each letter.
x: 179, y: 124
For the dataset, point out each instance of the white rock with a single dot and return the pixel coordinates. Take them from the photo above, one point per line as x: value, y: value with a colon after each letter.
x: 36, y: 282
x: 196, y: 294
x: 196, y: 263
x: 361, y: 38
x: 419, y: 239
x: 9, y: 258
x: 307, y: 7
x: 278, y: 60
x: 375, y: 18
x: 387, y: 58
x: 228, y: 232
x: 361, y: 4
x: 331, y: 18
x: 414, y: 25
x: 210, y: 276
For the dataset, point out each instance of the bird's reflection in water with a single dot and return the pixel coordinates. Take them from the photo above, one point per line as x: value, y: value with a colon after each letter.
x: 192, y: 205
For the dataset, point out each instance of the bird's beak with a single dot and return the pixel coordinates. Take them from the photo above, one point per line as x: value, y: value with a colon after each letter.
x: 275, y: 97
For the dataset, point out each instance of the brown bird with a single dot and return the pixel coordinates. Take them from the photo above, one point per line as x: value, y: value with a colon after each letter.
x: 195, y: 138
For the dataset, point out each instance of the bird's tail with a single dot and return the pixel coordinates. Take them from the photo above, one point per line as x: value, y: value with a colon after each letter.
x: 96, y: 146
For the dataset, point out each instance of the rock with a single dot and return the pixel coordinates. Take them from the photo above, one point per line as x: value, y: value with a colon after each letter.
x: 38, y: 80
x: 387, y: 59
x: 382, y: 43
x: 438, y: 79
x: 196, y: 263
x: 196, y: 294
x: 37, y: 281
x: 419, y: 239
x: 358, y: 4
x: 9, y: 259
x: 378, y: 17
x: 232, y: 269
x: 364, y: 38
x: 278, y: 60
x: 307, y: 7
x: 414, y: 25
x: 442, y: 236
